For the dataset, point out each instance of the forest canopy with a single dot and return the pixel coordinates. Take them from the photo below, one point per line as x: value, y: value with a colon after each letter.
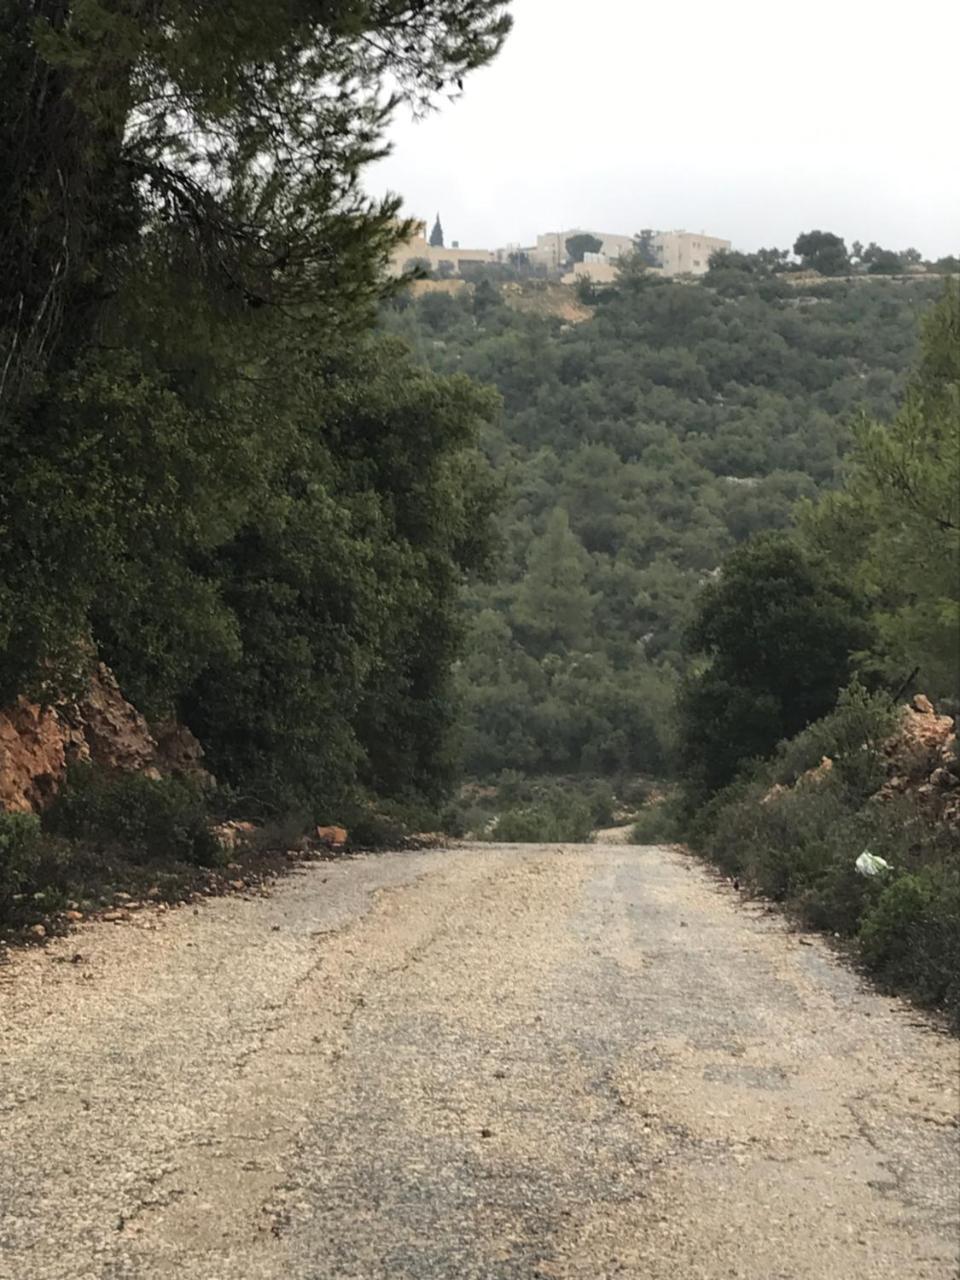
x: 639, y: 448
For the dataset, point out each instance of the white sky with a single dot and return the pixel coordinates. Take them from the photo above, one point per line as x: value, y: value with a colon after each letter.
x: 751, y: 119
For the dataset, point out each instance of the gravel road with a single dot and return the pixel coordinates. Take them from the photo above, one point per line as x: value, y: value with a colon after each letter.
x: 502, y: 1061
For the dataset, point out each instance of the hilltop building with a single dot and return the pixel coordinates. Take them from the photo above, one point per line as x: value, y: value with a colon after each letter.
x: 437, y: 257
x: 678, y: 253
x: 686, y: 253
x: 596, y: 267
x: 550, y: 251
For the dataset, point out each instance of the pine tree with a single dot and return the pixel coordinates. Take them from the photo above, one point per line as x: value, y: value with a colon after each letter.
x: 553, y: 600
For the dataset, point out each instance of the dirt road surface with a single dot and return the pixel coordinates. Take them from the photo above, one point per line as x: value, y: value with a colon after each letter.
x: 497, y: 1062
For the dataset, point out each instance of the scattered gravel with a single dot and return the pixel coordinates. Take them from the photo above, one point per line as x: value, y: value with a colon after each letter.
x: 495, y: 1062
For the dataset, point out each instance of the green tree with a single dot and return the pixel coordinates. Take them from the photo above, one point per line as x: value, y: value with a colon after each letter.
x: 345, y: 588
x: 553, y: 601
x: 486, y: 298
x: 117, y: 114
x: 172, y: 172
x: 881, y: 261
x: 776, y: 634
x: 822, y: 251
x: 895, y: 525
x: 576, y: 246
x: 645, y: 249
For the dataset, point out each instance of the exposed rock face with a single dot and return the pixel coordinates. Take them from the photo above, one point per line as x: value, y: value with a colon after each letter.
x: 234, y: 833
x: 921, y: 759
x: 37, y: 744
x: 812, y: 777
x: 178, y: 753
x: 923, y: 743
x: 117, y: 735
x: 32, y: 756
x: 818, y: 773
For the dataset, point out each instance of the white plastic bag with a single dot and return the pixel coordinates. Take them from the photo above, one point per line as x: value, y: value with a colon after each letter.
x: 869, y: 864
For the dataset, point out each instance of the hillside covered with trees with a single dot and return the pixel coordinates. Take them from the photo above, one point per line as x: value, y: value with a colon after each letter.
x: 635, y: 450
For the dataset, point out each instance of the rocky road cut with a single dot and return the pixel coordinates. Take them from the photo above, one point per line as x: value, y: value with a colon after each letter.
x: 501, y: 1061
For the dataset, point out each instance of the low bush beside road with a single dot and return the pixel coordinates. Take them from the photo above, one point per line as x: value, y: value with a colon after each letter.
x: 793, y: 830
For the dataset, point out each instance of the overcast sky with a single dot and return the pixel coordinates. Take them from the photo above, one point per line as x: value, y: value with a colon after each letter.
x: 751, y: 120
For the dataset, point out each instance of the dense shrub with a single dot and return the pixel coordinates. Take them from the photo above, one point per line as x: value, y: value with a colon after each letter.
x: 910, y: 935
x: 548, y: 811
x: 21, y: 860
x: 547, y: 822
x: 658, y: 823
x: 851, y: 735
x: 145, y: 818
x: 389, y: 824
x: 19, y: 842
x: 796, y: 840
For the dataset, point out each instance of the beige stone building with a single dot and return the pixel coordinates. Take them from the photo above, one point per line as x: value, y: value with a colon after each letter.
x: 680, y: 253
x: 686, y: 253
x: 595, y: 267
x: 550, y: 251
x: 445, y: 259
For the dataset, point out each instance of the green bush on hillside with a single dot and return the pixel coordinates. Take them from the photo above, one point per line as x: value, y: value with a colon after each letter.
x: 659, y: 823
x: 553, y: 811
x: 851, y: 736
x: 143, y: 818
x: 910, y: 935
x: 22, y: 857
x: 544, y: 823
x: 796, y: 840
